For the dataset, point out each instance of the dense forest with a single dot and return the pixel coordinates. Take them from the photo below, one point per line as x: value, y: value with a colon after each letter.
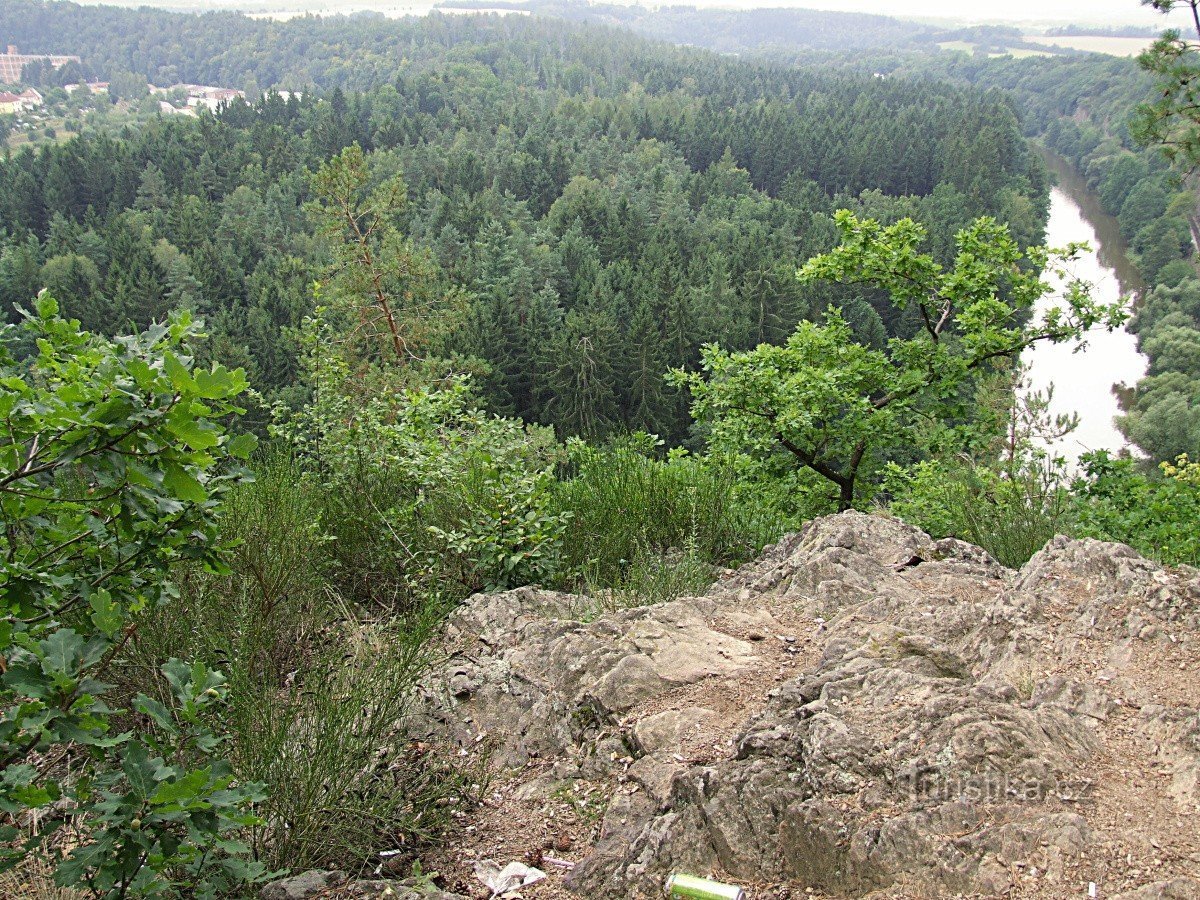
x: 468, y: 303
x: 756, y: 31
x: 600, y: 228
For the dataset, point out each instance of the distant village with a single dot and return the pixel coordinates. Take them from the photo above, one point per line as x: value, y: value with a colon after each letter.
x: 178, y: 99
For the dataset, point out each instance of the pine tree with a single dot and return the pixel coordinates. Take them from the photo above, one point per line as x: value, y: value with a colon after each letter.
x: 643, y: 365
x: 580, y: 380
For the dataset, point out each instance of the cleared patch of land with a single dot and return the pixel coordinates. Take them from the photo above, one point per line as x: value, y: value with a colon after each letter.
x: 1015, y: 52
x: 1024, y: 52
x: 1113, y: 46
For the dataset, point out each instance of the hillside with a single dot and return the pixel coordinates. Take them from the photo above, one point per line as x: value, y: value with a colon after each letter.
x: 756, y: 31
x: 862, y: 711
x: 388, y: 406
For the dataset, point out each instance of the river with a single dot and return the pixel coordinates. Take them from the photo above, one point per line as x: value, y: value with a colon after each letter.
x: 1085, y: 381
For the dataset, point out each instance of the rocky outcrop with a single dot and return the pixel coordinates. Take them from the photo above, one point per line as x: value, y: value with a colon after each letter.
x: 861, y: 709
x: 544, y: 684
x: 335, y: 885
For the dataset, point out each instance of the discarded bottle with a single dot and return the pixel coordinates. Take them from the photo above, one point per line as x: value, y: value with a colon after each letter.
x: 693, y: 888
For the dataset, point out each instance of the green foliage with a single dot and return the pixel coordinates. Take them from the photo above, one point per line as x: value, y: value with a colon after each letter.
x: 1080, y: 107
x: 1009, y: 497
x: 640, y: 524
x: 1010, y: 514
x: 348, y: 779
x: 377, y: 281
x: 318, y: 687
x: 113, y: 464
x: 1171, y: 121
x: 653, y: 577
x: 1155, y: 515
x: 837, y: 406
x: 163, y: 824
x: 419, y: 487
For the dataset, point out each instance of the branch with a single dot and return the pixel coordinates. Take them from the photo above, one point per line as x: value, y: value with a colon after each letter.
x: 816, y: 465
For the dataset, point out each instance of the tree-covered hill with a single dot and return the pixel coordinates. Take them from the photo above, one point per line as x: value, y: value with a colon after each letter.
x: 601, y: 205
x: 744, y: 31
x: 355, y: 51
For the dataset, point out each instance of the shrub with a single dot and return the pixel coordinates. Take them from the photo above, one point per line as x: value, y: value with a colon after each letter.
x: 422, y: 492
x: 113, y: 466
x: 1011, y: 514
x: 652, y: 577
x: 1156, y: 516
x: 632, y: 513
x: 318, y: 693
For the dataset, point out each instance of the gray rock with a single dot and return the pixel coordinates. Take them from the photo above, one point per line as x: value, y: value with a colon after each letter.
x: 944, y: 733
x: 664, y: 731
x: 540, y: 688
x: 654, y: 774
x: 302, y: 886
x: 317, y: 883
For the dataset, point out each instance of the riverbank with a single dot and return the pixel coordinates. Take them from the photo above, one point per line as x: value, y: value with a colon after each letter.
x: 1086, y: 380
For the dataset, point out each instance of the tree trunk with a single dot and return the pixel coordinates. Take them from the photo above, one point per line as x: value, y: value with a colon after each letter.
x: 846, y: 495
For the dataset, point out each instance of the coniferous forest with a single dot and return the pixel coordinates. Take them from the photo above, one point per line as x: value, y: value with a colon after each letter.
x: 603, y: 206
x: 464, y: 303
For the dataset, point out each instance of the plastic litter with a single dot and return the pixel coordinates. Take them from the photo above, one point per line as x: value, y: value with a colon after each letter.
x: 502, y: 881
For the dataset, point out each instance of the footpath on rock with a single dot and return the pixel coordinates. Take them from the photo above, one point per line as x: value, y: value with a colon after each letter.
x: 863, y: 711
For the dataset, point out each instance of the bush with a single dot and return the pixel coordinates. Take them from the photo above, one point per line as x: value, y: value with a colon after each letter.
x: 1156, y: 516
x: 634, y: 517
x: 113, y: 466
x: 423, y: 493
x: 1011, y: 514
x: 651, y: 577
x: 317, y: 692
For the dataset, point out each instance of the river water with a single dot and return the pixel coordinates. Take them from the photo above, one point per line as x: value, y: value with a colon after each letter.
x: 1085, y: 380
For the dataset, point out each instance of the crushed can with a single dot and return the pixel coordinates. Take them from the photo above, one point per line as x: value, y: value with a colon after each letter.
x: 693, y: 888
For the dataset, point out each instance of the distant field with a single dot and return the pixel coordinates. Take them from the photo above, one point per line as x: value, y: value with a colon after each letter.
x: 1113, y: 46
x: 1017, y: 52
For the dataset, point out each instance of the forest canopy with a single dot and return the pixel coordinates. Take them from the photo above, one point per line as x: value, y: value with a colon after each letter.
x: 604, y: 206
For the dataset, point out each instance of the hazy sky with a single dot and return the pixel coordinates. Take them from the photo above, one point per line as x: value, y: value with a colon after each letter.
x: 1113, y: 12
x: 1091, y: 11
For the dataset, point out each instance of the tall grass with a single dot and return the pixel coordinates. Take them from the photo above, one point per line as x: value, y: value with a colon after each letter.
x: 318, y: 692
x: 1010, y: 513
x: 651, y: 529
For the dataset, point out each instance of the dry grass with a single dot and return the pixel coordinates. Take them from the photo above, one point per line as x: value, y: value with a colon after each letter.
x: 33, y: 879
